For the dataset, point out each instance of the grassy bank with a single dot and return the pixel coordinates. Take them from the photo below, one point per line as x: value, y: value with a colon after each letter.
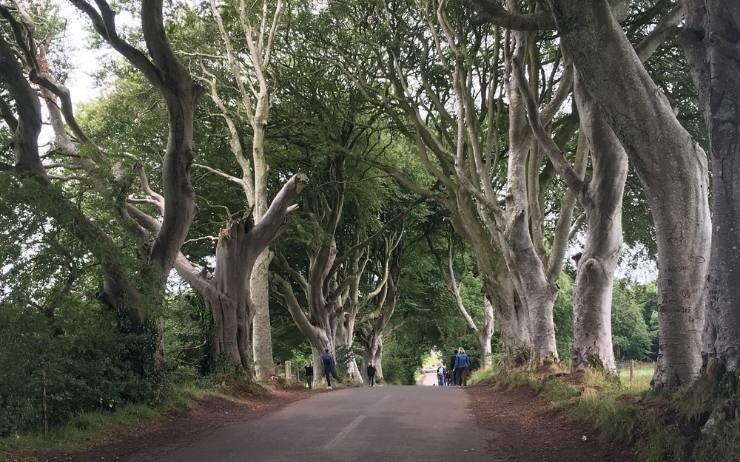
x: 91, y: 428
x: 88, y: 429
x: 661, y: 427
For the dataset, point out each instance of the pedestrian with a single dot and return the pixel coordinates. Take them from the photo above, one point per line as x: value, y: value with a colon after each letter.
x: 462, y: 363
x: 448, y: 378
x: 451, y: 369
x: 308, y: 368
x: 371, y: 374
x: 328, y: 362
x: 441, y: 375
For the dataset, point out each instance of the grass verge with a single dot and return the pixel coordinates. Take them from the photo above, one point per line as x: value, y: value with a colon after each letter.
x: 89, y: 429
x: 661, y: 427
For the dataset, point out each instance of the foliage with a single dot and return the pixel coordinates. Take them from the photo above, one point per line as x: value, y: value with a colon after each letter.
x: 631, y: 334
x: 78, y: 359
x: 564, y: 318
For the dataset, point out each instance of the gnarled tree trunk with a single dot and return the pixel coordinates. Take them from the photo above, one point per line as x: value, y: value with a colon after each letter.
x: 711, y: 44
x: 592, y: 346
x: 669, y: 163
x: 227, y: 292
x: 261, y: 328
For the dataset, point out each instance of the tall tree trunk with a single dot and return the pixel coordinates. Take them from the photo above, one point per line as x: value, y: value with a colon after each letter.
x: 373, y: 353
x: 535, y: 290
x: 511, y: 315
x: 261, y: 328
x: 669, y: 163
x: 227, y: 293
x: 711, y: 44
x: 320, y: 341
x: 512, y: 319
x: 603, y: 203
x: 140, y: 303
x: 485, y: 335
x: 345, y: 340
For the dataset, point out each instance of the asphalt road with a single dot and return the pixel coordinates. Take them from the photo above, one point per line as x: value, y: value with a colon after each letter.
x: 391, y: 423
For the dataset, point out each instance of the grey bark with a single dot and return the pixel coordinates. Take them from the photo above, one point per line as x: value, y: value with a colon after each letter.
x: 166, y: 73
x: 603, y: 204
x: 378, y: 321
x: 250, y: 68
x: 669, y: 163
x: 483, y: 332
x: 227, y: 291
x: 536, y: 291
x: 262, y: 331
x: 710, y: 41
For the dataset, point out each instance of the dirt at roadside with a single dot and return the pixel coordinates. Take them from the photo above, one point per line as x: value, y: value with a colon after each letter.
x: 525, y: 428
x: 204, y: 417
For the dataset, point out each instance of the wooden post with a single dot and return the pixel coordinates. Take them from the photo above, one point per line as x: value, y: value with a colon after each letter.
x: 632, y: 370
x: 288, y: 370
x: 43, y: 402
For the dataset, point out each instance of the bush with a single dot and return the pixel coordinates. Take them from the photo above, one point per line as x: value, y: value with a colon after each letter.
x: 77, y: 358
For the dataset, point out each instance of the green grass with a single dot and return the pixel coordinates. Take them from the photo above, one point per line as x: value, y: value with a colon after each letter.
x: 642, y: 373
x: 661, y: 427
x: 91, y: 428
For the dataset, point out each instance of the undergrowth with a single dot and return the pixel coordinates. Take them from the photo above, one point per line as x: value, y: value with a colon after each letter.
x: 87, y: 429
x: 660, y: 426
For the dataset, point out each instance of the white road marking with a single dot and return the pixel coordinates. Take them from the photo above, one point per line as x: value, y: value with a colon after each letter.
x: 385, y: 398
x: 344, y: 432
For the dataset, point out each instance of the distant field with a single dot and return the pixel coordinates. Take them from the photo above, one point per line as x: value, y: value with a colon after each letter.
x: 641, y: 375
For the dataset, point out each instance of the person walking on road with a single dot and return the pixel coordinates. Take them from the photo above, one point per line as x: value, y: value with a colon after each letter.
x: 441, y: 375
x: 371, y: 374
x: 451, y: 369
x: 462, y: 363
x: 308, y: 368
x: 328, y: 362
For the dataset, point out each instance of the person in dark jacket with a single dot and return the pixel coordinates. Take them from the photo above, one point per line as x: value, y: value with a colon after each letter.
x: 308, y: 368
x: 451, y: 369
x: 462, y: 363
x: 371, y: 374
x: 328, y: 362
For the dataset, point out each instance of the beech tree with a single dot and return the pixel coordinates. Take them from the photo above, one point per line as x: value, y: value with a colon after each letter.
x: 709, y: 39
x: 375, y: 325
x: 134, y: 293
x: 430, y: 70
x: 652, y: 142
x: 330, y: 284
x: 671, y: 166
x: 223, y: 65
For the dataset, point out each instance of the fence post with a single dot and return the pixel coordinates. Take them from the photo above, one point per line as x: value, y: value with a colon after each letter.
x: 632, y: 370
x: 288, y: 370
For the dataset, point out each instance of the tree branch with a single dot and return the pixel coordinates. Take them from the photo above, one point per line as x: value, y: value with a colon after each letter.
x: 666, y: 28
x: 493, y: 12
x: 105, y: 24
x: 556, y: 156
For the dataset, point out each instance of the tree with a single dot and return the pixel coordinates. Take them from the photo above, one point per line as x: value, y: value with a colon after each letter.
x: 132, y: 292
x: 238, y: 27
x: 445, y: 98
x: 254, y: 68
x: 668, y: 161
x: 710, y: 44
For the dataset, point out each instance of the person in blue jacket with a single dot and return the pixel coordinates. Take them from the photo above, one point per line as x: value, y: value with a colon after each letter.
x: 462, y: 363
x: 328, y: 362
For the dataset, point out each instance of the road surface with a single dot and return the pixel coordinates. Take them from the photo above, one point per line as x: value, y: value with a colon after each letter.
x: 390, y: 423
